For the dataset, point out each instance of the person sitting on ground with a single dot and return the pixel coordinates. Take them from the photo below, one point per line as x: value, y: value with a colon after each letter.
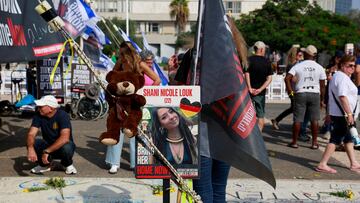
x: 342, y: 105
x: 57, y: 136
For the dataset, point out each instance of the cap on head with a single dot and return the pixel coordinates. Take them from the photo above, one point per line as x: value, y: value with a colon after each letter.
x: 311, y: 50
x: 48, y: 100
x: 339, y: 53
x: 260, y: 45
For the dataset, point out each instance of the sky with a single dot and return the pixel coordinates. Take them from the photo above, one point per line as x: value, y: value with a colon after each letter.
x: 356, y: 4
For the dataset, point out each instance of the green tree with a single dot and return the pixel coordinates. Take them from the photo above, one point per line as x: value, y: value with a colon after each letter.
x: 185, y: 40
x: 282, y: 23
x: 354, y: 15
x: 179, y: 10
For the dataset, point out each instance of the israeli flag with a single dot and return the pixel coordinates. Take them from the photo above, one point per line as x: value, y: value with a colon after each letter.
x: 156, y: 68
x: 105, y: 63
x: 76, y: 14
x: 97, y: 33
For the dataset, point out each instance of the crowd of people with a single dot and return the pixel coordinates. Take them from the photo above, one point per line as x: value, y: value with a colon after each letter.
x: 334, y: 88
x: 308, y: 85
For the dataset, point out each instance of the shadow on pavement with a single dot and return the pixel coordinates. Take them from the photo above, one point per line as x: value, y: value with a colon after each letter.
x: 12, y: 136
x: 22, y: 166
x: 93, y: 152
x: 105, y: 193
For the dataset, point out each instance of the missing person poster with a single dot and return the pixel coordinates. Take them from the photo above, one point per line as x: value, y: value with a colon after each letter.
x: 44, y: 68
x: 171, y: 121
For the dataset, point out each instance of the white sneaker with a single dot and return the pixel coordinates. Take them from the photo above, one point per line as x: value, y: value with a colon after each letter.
x: 114, y: 169
x: 327, y: 135
x: 70, y: 170
x: 40, y: 169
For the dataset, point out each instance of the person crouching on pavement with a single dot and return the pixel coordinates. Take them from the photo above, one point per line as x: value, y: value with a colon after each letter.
x: 57, y: 139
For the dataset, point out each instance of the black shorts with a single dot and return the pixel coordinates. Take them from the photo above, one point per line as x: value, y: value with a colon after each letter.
x: 339, y: 130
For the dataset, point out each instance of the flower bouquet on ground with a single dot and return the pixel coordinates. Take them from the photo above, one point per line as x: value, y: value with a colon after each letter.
x: 57, y: 183
x: 346, y: 194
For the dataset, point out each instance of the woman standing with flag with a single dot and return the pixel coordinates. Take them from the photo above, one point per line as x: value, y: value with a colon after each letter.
x: 129, y: 59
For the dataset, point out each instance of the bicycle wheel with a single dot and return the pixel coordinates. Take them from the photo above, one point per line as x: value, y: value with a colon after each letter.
x: 105, y: 109
x: 88, y: 109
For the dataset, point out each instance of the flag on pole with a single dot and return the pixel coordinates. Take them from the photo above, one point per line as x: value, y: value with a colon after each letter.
x: 97, y: 33
x: 234, y: 136
x: 76, y: 14
x: 145, y: 42
x: 105, y: 63
x: 156, y: 68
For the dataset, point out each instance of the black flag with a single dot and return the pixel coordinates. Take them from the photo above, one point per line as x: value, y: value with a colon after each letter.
x: 234, y: 136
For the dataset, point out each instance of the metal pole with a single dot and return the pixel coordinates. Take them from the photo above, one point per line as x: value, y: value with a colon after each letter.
x: 201, y: 11
x: 166, y: 190
x: 127, y: 17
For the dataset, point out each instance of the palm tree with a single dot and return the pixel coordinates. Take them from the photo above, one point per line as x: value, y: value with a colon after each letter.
x: 180, y: 10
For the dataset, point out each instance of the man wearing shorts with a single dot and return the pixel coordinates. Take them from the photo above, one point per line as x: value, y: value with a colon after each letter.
x: 258, y: 76
x: 308, y: 93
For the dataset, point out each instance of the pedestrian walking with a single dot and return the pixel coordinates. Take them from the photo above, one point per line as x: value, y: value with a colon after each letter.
x: 295, y: 55
x: 342, y: 106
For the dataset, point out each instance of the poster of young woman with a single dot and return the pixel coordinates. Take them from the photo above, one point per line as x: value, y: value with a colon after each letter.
x: 171, y: 121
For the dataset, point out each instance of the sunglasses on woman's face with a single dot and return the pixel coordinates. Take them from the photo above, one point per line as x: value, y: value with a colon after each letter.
x: 350, y: 66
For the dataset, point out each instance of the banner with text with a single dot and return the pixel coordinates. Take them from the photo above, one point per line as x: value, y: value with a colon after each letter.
x: 171, y: 121
x: 80, y: 77
x: 43, y: 72
x: 25, y: 36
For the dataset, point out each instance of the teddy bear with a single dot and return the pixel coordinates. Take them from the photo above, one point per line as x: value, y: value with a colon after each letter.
x: 124, y: 105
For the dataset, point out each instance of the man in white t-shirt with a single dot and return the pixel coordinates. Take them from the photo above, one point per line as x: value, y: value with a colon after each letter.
x: 308, y: 93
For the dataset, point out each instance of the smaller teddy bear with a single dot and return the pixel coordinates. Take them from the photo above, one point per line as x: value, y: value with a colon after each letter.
x: 124, y: 105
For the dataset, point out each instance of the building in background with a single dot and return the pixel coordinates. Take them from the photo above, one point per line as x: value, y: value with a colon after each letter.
x: 344, y: 6
x: 328, y: 5
x: 152, y: 17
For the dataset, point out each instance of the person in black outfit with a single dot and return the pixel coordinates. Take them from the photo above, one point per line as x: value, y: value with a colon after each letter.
x: 258, y: 76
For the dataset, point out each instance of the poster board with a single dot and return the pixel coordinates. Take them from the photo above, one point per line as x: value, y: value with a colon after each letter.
x: 170, y: 108
x: 44, y: 68
x: 80, y: 77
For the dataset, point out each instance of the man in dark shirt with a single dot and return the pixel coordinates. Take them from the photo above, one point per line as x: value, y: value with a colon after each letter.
x: 57, y: 139
x: 258, y: 76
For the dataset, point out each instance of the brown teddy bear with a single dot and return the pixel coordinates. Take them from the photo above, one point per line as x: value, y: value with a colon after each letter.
x: 125, y: 105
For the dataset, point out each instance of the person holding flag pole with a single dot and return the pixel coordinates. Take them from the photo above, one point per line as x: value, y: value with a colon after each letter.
x: 229, y: 134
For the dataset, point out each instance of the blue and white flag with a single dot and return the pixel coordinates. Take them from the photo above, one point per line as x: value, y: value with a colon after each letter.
x: 97, y: 33
x: 156, y: 68
x: 105, y: 63
x: 76, y: 14
x: 145, y: 42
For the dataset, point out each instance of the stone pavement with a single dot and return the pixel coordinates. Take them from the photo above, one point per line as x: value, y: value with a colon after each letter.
x: 293, y: 169
x: 129, y: 190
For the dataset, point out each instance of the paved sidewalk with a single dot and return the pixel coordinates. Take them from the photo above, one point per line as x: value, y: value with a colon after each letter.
x: 132, y: 190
